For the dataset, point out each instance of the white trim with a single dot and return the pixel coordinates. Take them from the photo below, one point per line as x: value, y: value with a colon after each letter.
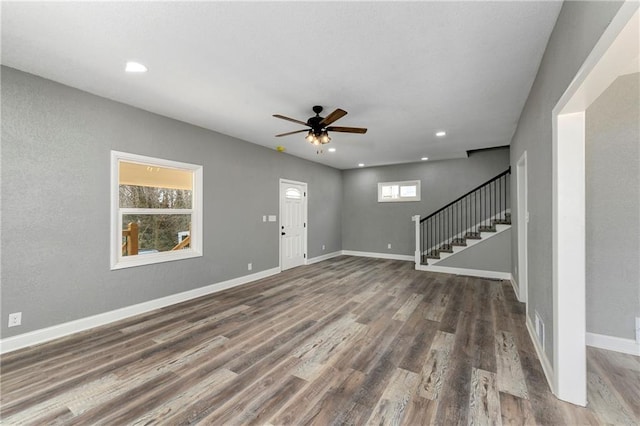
x: 117, y: 261
x: 544, y: 361
x: 463, y: 271
x: 323, y: 257
x: 399, y: 184
x: 378, y: 255
x: 522, y: 207
x: 54, y: 332
x: 617, y: 45
x: 569, y: 307
x: 611, y: 343
x: 416, y: 254
x: 516, y: 288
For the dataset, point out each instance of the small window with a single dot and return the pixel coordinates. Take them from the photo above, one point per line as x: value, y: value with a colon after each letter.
x: 293, y: 194
x: 156, y: 213
x: 393, y: 192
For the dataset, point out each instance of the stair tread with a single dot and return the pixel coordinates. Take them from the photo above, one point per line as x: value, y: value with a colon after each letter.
x: 487, y: 229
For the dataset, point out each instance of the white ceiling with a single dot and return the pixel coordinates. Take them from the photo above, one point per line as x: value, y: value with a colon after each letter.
x: 402, y: 69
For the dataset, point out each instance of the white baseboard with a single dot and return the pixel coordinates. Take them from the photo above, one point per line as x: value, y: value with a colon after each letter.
x: 323, y: 257
x: 516, y: 287
x: 20, y: 341
x: 461, y: 271
x: 611, y: 343
x: 392, y: 256
x: 544, y: 361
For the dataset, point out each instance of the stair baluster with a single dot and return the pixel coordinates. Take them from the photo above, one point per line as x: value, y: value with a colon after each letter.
x: 479, y: 210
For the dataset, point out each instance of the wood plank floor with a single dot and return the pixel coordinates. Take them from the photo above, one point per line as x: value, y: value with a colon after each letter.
x: 346, y: 341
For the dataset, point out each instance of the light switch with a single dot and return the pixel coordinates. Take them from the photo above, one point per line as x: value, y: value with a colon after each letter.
x: 264, y: 218
x: 272, y: 218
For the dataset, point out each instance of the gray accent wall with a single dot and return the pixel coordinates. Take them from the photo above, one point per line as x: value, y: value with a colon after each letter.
x: 369, y: 226
x: 578, y: 28
x: 492, y: 254
x: 56, y: 144
x: 613, y: 209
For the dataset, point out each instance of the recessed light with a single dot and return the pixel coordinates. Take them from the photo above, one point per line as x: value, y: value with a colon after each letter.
x: 424, y: 158
x: 135, y: 67
x: 441, y: 133
x: 332, y: 150
x: 360, y: 164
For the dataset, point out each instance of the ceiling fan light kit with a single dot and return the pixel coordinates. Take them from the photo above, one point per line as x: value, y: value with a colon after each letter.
x: 318, y: 134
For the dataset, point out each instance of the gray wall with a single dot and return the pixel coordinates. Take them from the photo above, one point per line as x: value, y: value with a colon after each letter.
x: 578, y: 28
x: 369, y: 226
x: 56, y: 144
x: 613, y: 209
x: 493, y: 254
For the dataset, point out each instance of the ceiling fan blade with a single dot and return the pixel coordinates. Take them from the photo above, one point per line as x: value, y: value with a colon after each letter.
x: 290, y: 119
x: 291, y: 133
x: 335, y: 115
x: 361, y: 130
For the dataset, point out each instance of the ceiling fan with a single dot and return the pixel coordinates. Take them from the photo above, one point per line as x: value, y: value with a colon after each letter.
x: 319, y: 127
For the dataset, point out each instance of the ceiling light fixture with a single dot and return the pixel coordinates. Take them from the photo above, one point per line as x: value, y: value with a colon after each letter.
x: 360, y: 164
x: 441, y: 133
x: 135, y: 67
x: 332, y: 150
x: 318, y: 138
x: 424, y: 158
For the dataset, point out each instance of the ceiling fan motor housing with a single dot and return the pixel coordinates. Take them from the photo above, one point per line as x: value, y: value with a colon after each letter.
x: 314, y: 122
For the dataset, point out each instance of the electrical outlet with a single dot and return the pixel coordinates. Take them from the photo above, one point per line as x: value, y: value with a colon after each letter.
x: 323, y: 247
x: 389, y: 245
x: 249, y: 266
x: 15, y: 319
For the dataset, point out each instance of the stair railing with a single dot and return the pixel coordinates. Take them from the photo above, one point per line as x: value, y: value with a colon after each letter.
x: 479, y: 210
x: 130, y: 235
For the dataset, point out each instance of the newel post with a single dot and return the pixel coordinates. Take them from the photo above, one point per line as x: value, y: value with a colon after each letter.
x: 416, y: 219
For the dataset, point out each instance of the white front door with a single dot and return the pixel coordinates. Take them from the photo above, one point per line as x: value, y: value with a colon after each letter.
x: 293, y: 224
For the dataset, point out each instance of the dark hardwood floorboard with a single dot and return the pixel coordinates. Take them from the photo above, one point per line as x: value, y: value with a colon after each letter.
x: 346, y: 341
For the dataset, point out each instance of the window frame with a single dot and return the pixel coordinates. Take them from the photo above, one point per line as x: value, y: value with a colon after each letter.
x: 400, y: 184
x: 195, y: 246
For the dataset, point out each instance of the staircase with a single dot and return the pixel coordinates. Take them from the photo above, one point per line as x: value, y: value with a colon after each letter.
x: 475, y: 216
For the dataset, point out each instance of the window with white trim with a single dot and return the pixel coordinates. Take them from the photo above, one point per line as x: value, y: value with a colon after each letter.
x: 156, y: 210
x: 394, y: 192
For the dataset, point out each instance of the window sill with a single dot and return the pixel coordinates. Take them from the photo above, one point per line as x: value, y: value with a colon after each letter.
x: 153, y: 258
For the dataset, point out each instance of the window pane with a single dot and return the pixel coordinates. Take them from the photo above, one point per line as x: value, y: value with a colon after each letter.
x: 150, y: 186
x: 390, y: 191
x: 408, y: 191
x: 155, y: 233
x: 293, y: 193
x: 154, y: 198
